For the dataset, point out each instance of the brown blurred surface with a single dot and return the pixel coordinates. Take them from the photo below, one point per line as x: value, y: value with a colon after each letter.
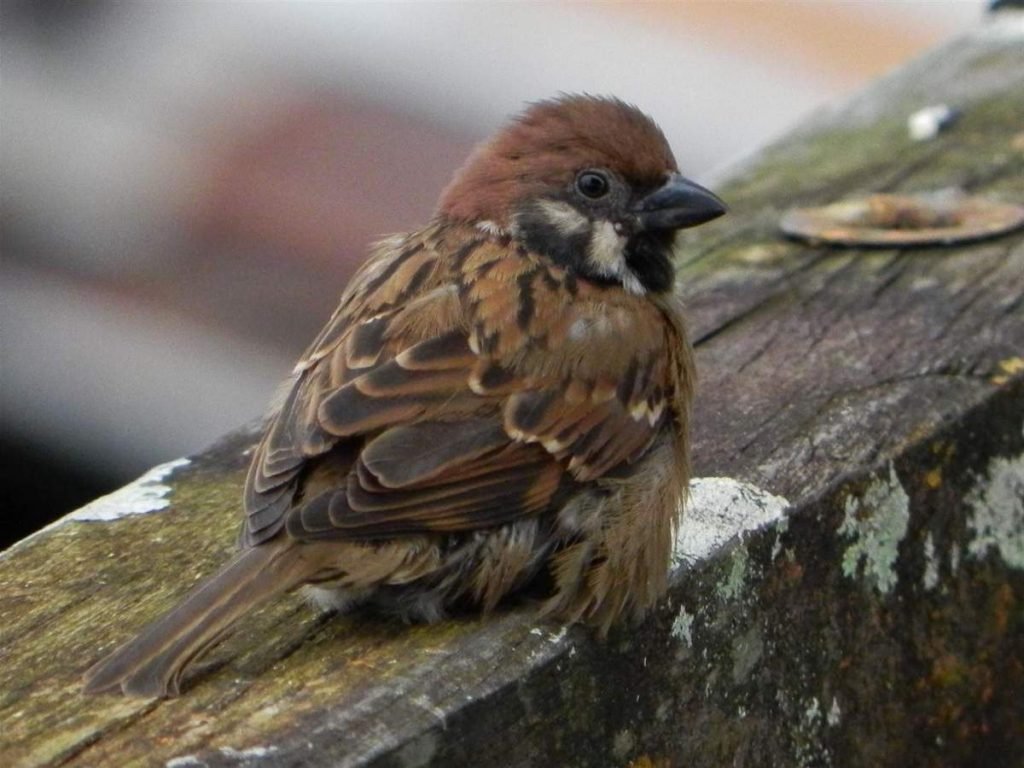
x: 292, y: 205
x: 829, y: 37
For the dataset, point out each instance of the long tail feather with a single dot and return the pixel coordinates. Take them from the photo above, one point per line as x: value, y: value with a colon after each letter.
x: 151, y: 664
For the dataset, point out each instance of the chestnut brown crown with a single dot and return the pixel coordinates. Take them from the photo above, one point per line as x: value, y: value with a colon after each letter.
x: 589, y: 182
x: 544, y: 148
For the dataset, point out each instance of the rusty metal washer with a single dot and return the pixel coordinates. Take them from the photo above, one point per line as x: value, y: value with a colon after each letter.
x: 944, y: 217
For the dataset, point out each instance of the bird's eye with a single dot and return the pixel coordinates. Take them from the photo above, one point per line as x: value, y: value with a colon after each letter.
x: 592, y: 184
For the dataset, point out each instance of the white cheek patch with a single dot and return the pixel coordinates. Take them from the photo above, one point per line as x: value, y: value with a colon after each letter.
x: 566, y: 220
x: 606, y: 246
x: 606, y: 255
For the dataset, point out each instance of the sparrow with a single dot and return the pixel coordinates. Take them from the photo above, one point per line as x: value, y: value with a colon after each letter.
x: 499, y: 403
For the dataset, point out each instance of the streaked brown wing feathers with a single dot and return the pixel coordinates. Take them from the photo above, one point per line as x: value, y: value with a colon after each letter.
x: 416, y: 453
x: 476, y: 390
x: 492, y: 488
x: 599, y: 410
x: 371, y: 325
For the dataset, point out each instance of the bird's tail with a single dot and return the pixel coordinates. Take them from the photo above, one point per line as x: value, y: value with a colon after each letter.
x: 152, y: 664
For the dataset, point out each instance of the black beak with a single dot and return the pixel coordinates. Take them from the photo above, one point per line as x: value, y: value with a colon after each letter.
x: 679, y: 203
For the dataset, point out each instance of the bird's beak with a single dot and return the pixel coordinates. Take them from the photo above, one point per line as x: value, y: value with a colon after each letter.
x: 677, y: 204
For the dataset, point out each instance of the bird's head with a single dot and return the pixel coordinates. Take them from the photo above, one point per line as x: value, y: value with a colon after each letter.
x: 588, y: 182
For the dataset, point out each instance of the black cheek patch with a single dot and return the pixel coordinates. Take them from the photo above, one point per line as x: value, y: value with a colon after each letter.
x: 649, y: 257
x: 537, y: 234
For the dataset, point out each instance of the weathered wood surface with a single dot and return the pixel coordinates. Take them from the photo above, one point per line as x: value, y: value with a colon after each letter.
x: 880, y: 621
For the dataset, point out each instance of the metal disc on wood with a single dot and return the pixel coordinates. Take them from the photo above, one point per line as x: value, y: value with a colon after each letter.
x: 934, y: 218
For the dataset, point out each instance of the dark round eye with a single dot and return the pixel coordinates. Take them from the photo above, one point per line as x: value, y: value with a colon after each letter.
x: 592, y: 184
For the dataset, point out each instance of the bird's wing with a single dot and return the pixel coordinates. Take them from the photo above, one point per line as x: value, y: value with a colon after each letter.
x: 399, y: 294
x: 586, y: 371
x: 480, y: 400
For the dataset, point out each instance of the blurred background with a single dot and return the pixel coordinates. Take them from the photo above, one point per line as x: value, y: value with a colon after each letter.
x: 187, y: 186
